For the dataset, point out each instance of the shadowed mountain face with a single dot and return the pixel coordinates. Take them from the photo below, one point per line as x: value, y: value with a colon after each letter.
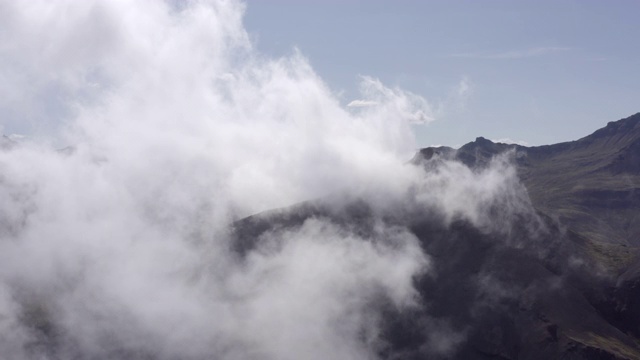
x: 561, y: 283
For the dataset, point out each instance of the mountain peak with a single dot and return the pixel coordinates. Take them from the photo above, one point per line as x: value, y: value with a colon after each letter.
x: 591, y: 184
x: 482, y: 140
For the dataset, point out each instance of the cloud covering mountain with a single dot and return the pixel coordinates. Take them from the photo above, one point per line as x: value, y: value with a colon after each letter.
x: 141, y: 241
x: 119, y: 246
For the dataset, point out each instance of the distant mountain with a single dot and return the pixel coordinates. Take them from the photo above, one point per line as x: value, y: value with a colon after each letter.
x: 570, y: 291
x: 592, y: 185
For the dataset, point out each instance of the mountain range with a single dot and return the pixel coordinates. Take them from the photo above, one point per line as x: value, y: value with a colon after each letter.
x: 561, y: 282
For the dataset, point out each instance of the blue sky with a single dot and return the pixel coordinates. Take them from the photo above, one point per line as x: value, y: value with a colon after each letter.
x: 534, y: 71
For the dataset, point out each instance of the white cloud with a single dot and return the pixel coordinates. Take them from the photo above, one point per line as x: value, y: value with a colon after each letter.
x: 458, y: 97
x: 180, y: 127
x: 457, y: 191
x: 395, y: 103
x: 16, y: 137
x: 509, y: 141
x: 464, y: 87
x: 361, y: 103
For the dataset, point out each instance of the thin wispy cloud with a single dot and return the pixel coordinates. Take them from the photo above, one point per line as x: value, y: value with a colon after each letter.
x: 464, y: 87
x: 410, y: 107
x: 510, y: 141
x: 362, y: 103
x: 512, y: 54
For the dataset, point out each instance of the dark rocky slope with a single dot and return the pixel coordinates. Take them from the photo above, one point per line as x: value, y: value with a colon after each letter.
x: 570, y: 291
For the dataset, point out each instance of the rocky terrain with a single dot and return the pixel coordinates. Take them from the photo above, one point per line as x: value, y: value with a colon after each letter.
x: 561, y: 281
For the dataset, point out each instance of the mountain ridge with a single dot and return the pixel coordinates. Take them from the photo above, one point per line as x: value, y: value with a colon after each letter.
x: 570, y: 292
x: 581, y: 182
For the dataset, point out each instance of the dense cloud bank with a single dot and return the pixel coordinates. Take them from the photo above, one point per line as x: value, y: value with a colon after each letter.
x: 118, y: 246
